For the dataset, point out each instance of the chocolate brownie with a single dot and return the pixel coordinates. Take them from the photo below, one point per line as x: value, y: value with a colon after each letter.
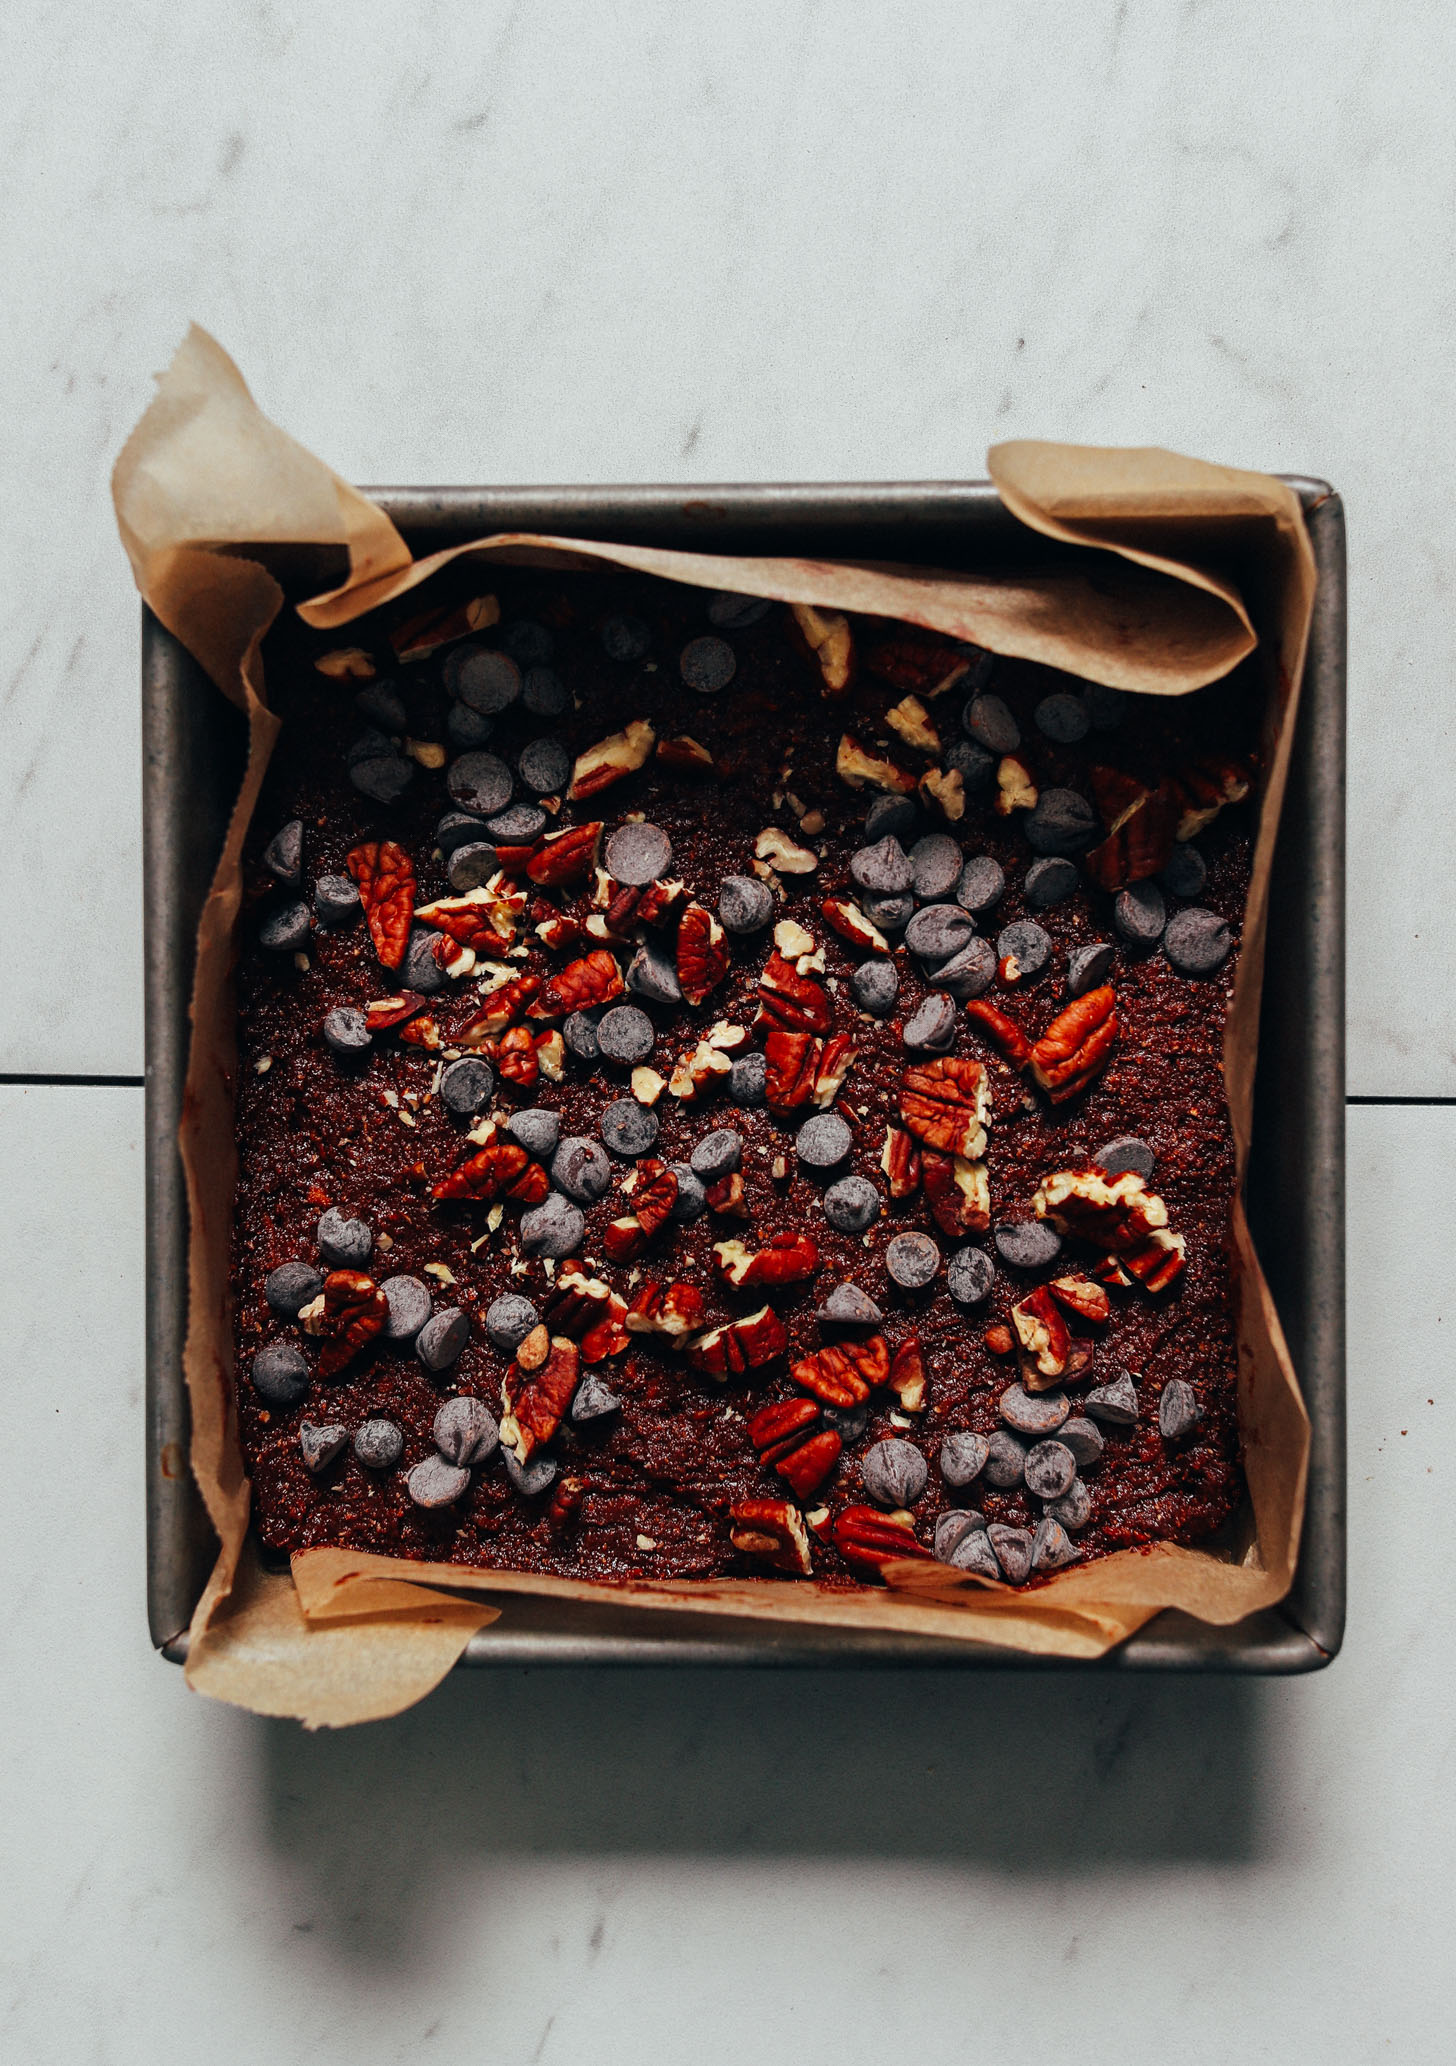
x: 724, y: 1090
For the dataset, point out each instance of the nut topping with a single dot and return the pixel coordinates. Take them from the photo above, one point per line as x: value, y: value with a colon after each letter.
x: 534, y: 1402
x: 910, y: 721
x: 957, y: 1192
x: 346, y: 663
x: 610, y: 759
x: 386, y: 878
x: 791, y: 1001
x: 826, y: 633
x: 1015, y: 790
x: 907, y: 663
x: 851, y: 924
x: 353, y: 1310
x: 907, y: 1374
x: 772, y: 1529
x: 842, y: 1373
x: 945, y: 1104
x: 516, y: 1059
x: 483, y: 918
x: 1004, y: 1033
x: 784, y: 854
x: 1118, y: 1215
x: 420, y: 636
x: 901, y: 1162
x: 871, y: 1540
x: 703, y: 958
x: 946, y: 789
x: 740, y: 1345
x: 786, y: 1259
x: 1077, y: 1045
x: 686, y: 754
x: 595, y: 979
x: 1079, y: 1295
x: 860, y: 768
x: 384, y: 1012
x: 566, y: 856
x: 1043, y: 1334
x: 500, y: 1169
x: 788, y: 1441
x: 672, y: 1310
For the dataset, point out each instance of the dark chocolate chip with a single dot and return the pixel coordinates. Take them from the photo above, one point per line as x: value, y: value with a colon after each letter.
x: 544, y: 693
x: 1139, y: 913
x: 707, y: 665
x: 291, y: 1287
x: 892, y: 817
x: 1027, y: 1244
x: 823, y: 1141
x: 529, y: 644
x: 580, y: 1167
x: 555, y: 1228
x: 885, y: 869
x: 937, y: 861
x: 530, y: 1479
x: 848, y: 1306
x: 458, y: 828
x: 1074, y: 1508
x: 383, y: 705
x: 1178, y: 1410
x: 1062, y: 823
x: 852, y: 1205
x: 931, y: 1028
x: 370, y: 745
x: 321, y: 1444
x: 890, y: 913
x: 629, y: 1129
x: 953, y: 1526
x: 483, y: 680
x: 1050, y: 1468
x: 1088, y: 966
x: 508, y: 1320
x: 544, y: 767
x: 579, y: 1031
x: 346, y: 1032
x: 969, y: 1275
x: 378, y: 1444
x: 848, y: 1422
x: 1013, y: 1551
x: 335, y: 900
x: 419, y: 969
x: 735, y: 612
x: 970, y: 972
x: 442, y: 1339
x: 465, y: 1431
x: 1033, y: 1413
x: 691, y: 1201
x: 1085, y: 1440
x: 637, y: 853
x: 893, y: 1473
x: 1050, y: 1548
x: 1116, y: 1404
x: 912, y: 1261
x: 748, y: 1081
x: 874, y: 986
x: 518, y: 826
x: 594, y: 1400
x: 625, y: 638
x: 344, y: 1243
x: 1186, y: 871
x: 1126, y: 1152
x: 479, y: 782
x: 974, y: 1553
x: 280, y: 1374
x: 982, y: 884
x: 626, y: 1035
x: 651, y: 974
x: 975, y: 766
x: 470, y: 866
x: 1063, y: 718
x: 963, y: 1458
x: 467, y: 728
x: 1197, y: 941
x: 466, y: 1087
x: 384, y: 780
x: 409, y: 1307
x: 717, y: 1154
x: 436, y: 1483
x: 536, y: 1130
x: 283, y: 855
x: 745, y: 905
x: 1049, y: 881
x: 990, y: 724
x: 1107, y: 707
x: 1027, y: 943
x: 938, y: 933
x: 287, y: 929
x: 1005, y: 1460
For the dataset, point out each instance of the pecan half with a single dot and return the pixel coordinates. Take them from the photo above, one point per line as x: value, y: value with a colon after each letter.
x: 1044, y: 1335
x: 354, y: 1311
x: 907, y: 1374
x: 860, y: 768
x: 785, y: 1259
x: 674, y: 1310
x: 500, y: 1169
x: 703, y: 956
x: 1004, y: 1033
x: 869, y: 1539
x: 851, y: 924
x: 945, y: 1104
x: 786, y: 1439
x: 924, y: 669
x: 386, y: 878
x: 957, y: 1192
x: 610, y: 759
x: 609, y: 1336
x: 792, y: 1061
x: 773, y: 1530
x: 420, y: 636
x: 1077, y: 1045
x: 385, y: 1012
x: 842, y: 1373
x: 740, y: 1345
x: 534, y: 1402
x: 900, y: 1160
x: 565, y: 856
x: 788, y: 1000
x: 516, y: 1060
x: 595, y: 979
x: 826, y: 635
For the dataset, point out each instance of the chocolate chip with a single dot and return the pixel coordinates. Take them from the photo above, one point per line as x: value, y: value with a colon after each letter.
x: 479, y: 782
x: 345, y: 1243
x: 544, y: 693
x: 970, y: 972
x: 626, y: 1035
x: 939, y: 932
x: 287, y: 929
x: 466, y: 1087
x: 1049, y: 881
x: 378, y: 1444
x: 556, y: 1228
x: 419, y: 969
x: 1139, y: 913
x: 1197, y: 942
x: 625, y: 638
x: 848, y: 1422
x: 974, y: 1553
x: 885, y: 869
x: 962, y: 1458
x: 847, y: 1305
x: 1013, y: 1548
x: 458, y: 828
x: 536, y: 1130
x: 937, y: 861
x: 1117, y: 1403
x: 852, y: 1205
x: 975, y: 766
x: 707, y: 665
x: 1185, y: 871
x: 383, y: 705
x: 1074, y: 1508
x: 735, y: 612
x: 969, y: 1275
x: 1126, y: 1152
x: 1089, y: 966
x: 990, y: 723
x: 748, y: 1081
x: 717, y: 1154
x: 629, y: 1129
x: 508, y: 1320
x: 982, y: 884
x: 744, y: 904
x: 1178, y: 1410
x: 409, y: 1307
x: 579, y: 1031
x: 319, y: 1445
x: 544, y: 767
x: 280, y: 1374
x: 953, y: 1526
x: 874, y: 986
x: 1107, y: 707
x: 1049, y: 1469
x: 1005, y: 1460
x: 466, y: 727
x: 893, y: 1473
x: 465, y: 1431
x: 529, y: 644
x: 346, y: 1032
x: 691, y: 1201
x: 1062, y: 823
x: 912, y: 1260
x: 291, y: 1287
x: 581, y: 1169
x: 1050, y: 1548
x: 530, y: 1479
x: 384, y: 780
x: 482, y: 679
x: 442, y: 1339
x: 1085, y: 1440
x: 335, y: 900
x: 823, y: 1141
x: 283, y: 855
x: 637, y: 853
x: 518, y: 826
x: 650, y: 974
x: 470, y: 866
x: 893, y: 817
x: 1063, y: 718
x: 890, y: 913
x: 1027, y: 1244
x: 370, y: 745
x: 594, y: 1400
x: 1033, y: 1413
x: 1026, y: 943
x: 435, y: 1483
x: 931, y: 1027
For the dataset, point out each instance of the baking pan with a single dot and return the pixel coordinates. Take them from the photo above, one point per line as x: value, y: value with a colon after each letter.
x: 193, y: 749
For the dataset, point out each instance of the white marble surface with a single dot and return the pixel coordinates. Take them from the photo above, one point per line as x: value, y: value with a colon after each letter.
x: 767, y: 241
x: 606, y: 1867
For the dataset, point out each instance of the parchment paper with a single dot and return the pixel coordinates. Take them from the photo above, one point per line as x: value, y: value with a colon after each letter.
x: 350, y: 1637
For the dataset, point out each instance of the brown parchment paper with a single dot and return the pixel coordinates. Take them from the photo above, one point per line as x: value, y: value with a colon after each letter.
x: 351, y: 1636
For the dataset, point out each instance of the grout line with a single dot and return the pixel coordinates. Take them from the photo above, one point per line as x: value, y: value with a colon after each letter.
x: 86, y: 1082
x: 1399, y: 1101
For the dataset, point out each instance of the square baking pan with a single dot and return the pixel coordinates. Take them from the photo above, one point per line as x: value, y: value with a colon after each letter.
x: 193, y: 750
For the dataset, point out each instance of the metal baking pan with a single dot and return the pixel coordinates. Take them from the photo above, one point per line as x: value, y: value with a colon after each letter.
x: 193, y: 757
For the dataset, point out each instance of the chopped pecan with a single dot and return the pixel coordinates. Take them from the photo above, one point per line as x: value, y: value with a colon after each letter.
x: 1081, y: 1296
x: 773, y: 1530
x: 900, y: 1160
x: 1117, y: 1215
x: 957, y: 1192
x: 346, y: 663
x: 420, y: 636
x: 727, y: 1197
x: 787, y: 1441
x: 1004, y: 1033
x: 451, y: 958
x: 565, y: 856
x: 386, y: 878
x: 558, y: 934
x: 623, y: 909
x: 516, y: 1060
x: 945, y: 1104
x: 871, y: 1540
x: 675, y: 1310
x: 661, y: 902
x: 1015, y: 790
x: 424, y: 1032
x: 695, y: 1072
x: 851, y: 924
x: 610, y: 759
x: 946, y: 789
x: 578, y: 1302
x: 784, y: 1259
x: 1117, y: 795
x: 826, y: 634
x: 500, y: 1169
x: 1156, y: 1261
x: 564, y: 1511
x: 842, y: 1373
x: 792, y: 1061
x: 740, y: 1345
x: 533, y: 1402
x: 1044, y: 1335
x: 653, y: 1199
x: 835, y: 1059
x: 384, y: 1012
x: 788, y: 1000
x: 534, y: 1348
x: 354, y: 1311
x: 907, y: 1374
x: 916, y: 665
x: 595, y: 979
x: 1206, y: 787
x: 857, y: 766
x: 774, y: 846
x: 483, y: 918
x: 1141, y: 837
x: 502, y: 1008
x: 686, y: 754
x: 703, y: 957
x: 609, y: 1336
x: 910, y: 721
x: 998, y: 1340
x: 551, y: 1056
x: 1077, y: 1045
